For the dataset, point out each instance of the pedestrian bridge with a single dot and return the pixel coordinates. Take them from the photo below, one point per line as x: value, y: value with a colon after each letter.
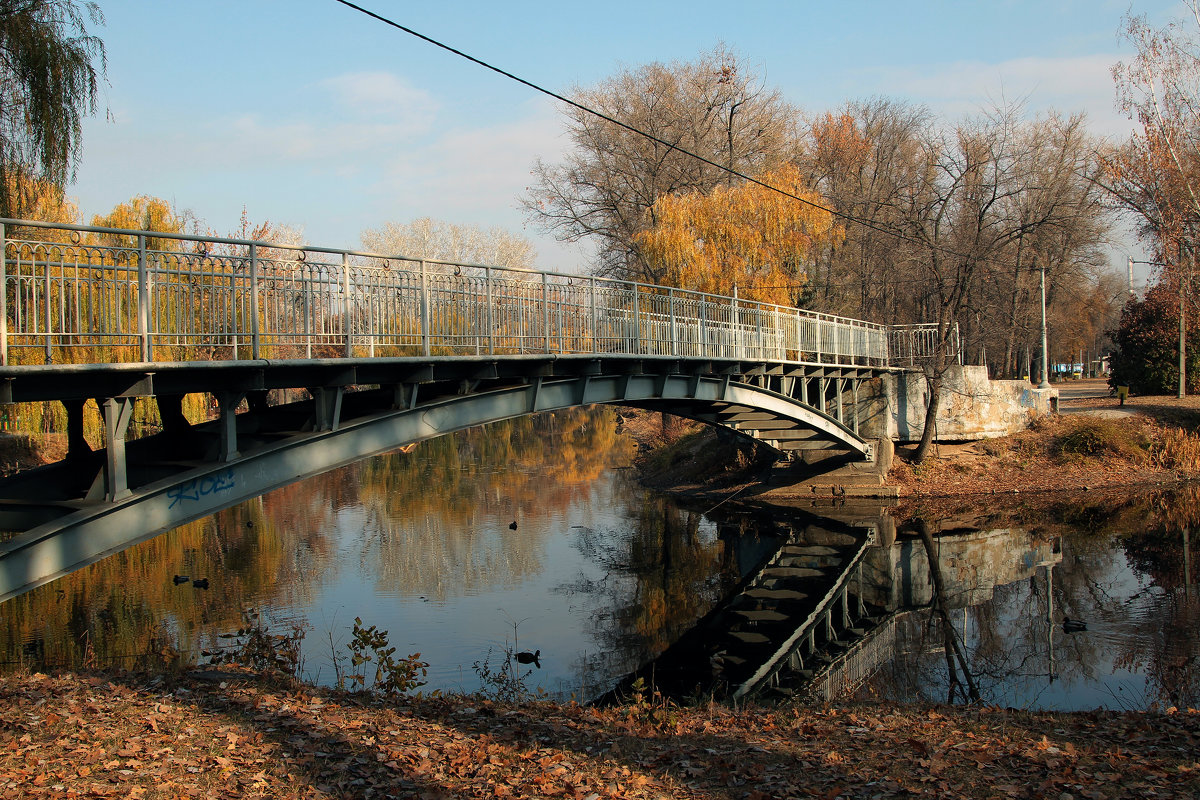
x: 310, y: 358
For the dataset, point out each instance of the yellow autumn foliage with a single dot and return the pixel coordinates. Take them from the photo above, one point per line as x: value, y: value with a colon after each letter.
x: 40, y: 200
x: 760, y: 240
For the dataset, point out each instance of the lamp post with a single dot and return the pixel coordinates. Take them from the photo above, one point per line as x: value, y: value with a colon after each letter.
x: 1045, y: 384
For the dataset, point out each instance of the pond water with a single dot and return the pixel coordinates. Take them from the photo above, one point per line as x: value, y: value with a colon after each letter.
x: 532, y: 535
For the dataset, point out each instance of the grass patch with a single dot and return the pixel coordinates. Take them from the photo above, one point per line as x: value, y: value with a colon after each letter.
x: 1091, y: 438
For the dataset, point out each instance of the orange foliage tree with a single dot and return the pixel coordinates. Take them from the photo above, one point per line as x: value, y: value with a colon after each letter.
x: 748, y: 236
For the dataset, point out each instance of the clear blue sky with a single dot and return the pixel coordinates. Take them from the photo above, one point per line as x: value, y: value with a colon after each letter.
x: 311, y: 114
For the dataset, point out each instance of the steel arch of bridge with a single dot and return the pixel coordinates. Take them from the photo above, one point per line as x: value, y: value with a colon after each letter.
x: 94, y: 504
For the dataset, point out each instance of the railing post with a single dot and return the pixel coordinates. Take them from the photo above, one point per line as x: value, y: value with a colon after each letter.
x: 144, y: 301
x: 637, y: 325
x: 702, y: 332
x: 348, y: 306
x: 255, y: 333
x: 371, y: 322
x: 425, y: 344
x: 546, y: 310
x: 308, y: 332
x: 736, y: 327
x: 595, y: 318
x: 674, y: 332
x: 491, y: 314
x: 46, y: 310
x: 3, y: 298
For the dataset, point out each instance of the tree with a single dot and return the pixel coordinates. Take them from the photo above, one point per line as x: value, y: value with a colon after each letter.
x: 445, y: 241
x: 1156, y: 175
x: 48, y: 83
x: 860, y: 158
x: 984, y: 189
x: 746, y: 236
x: 44, y: 201
x: 1146, y: 358
x: 140, y: 213
x: 605, y: 190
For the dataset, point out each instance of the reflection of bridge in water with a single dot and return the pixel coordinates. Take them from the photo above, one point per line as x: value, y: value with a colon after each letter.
x: 311, y: 358
x: 817, y: 613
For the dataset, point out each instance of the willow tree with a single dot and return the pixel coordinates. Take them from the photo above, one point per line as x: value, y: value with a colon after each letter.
x: 140, y: 213
x: 48, y: 83
x: 757, y: 239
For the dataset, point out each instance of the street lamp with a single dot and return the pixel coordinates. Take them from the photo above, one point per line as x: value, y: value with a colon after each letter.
x: 1045, y: 384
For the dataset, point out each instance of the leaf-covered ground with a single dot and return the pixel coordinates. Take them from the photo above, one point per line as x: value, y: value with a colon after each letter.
x: 1025, y: 461
x: 236, y: 734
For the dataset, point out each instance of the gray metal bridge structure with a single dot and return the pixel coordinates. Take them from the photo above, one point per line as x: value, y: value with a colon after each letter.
x: 308, y: 358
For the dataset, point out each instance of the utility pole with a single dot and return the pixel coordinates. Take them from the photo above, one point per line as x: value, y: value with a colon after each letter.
x: 1045, y: 384
x: 1182, y: 329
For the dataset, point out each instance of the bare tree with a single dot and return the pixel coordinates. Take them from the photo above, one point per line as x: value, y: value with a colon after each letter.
x: 446, y: 241
x: 605, y: 190
x: 1156, y: 174
x: 861, y: 158
x: 985, y: 189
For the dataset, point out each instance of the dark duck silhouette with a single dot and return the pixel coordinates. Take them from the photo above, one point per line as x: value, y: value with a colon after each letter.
x: 1073, y: 625
x: 525, y: 657
x: 512, y: 526
x: 200, y: 583
x: 181, y: 579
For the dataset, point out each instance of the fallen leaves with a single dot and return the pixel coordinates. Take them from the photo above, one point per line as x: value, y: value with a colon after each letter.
x: 251, y: 736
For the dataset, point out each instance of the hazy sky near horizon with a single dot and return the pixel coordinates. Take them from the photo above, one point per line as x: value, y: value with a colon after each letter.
x: 309, y: 113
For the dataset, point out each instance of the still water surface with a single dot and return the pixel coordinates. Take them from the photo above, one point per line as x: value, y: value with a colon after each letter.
x: 600, y: 575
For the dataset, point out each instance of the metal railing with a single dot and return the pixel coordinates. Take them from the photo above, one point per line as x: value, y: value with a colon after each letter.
x: 85, y: 294
x: 912, y: 345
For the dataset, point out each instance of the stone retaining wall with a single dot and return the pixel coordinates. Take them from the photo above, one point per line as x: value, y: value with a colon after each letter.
x: 972, y: 407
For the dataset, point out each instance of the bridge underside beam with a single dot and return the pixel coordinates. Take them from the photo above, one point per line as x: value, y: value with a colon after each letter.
x: 39, y: 383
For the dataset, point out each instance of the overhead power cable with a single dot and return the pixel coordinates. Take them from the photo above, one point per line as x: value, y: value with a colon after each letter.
x: 601, y: 115
x: 866, y: 223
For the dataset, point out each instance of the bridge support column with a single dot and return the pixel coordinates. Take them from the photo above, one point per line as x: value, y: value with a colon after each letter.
x: 327, y: 407
x: 404, y: 396
x: 170, y: 411
x: 77, y: 446
x: 227, y: 443
x: 854, y: 419
x: 117, y: 413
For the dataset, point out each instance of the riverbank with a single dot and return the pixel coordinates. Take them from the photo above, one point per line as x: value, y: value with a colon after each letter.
x: 1093, y: 444
x: 237, y: 734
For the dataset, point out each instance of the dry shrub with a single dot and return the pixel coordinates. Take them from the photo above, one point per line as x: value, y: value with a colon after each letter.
x: 1177, y: 449
x: 1093, y: 437
x: 994, y: 448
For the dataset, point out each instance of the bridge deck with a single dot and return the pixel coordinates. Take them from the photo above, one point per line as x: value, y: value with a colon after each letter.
x: 78, y: 293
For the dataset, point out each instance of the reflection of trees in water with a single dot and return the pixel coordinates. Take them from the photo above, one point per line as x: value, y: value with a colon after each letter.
x: 661, y: 575
x: 1128, y: 587
x: 1168, y: 647
x: 426, y: 512
x: 437, y: 518
x: 127, y: 610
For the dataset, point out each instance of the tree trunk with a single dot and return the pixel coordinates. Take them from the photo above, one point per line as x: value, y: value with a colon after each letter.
x: 939, y: 604
x: 934, y: 383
